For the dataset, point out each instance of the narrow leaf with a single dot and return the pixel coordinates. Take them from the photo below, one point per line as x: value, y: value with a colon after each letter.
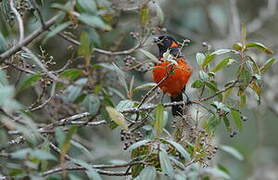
x: 222, y: 64
x: 56, y: 30
x: 217, y: 172
x: 117, y: 117
x: 159, y: 118
x: 148, y: 173
x: 94, y: 21
x: 179, y: 148
x: 144, y: 86
x: 29, y: 81
x: 138, y: 144
x: 267, y: 65
x: 236, y: 117
x: 259, y: 46
x: 71, y: 74
x: 234, y: 152
x: 165, y: 164
x: 149, y: 55
x: 208, y: 59
x: 200, y: 57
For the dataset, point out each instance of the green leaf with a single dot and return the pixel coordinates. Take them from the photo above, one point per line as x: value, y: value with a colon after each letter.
x: 148, y: 173
x: 212, y: 86
x: 234, y: 152
x: 117, y: 117
x: 92, y: 104
x: 3, y: 45
x: 144, y: 86
x: 66, y: 144
x: 73, y: 91
x: 259, y: 46
x: 227, y: 123
x: 267, y: 65
x: 180, y: 149
x: 86, y: 6
x: 237, y: 46
x: 3, y: 79
x: 121, y: 75
x: 208, y: 59
x: 244, y: 77
x: 144, y: 15
x: 124, y: 104
x: 94, y: 21
x: 225, y: 62
x: 149, y: 55
x: 181, y: 175
x: 200, y: 57
x: 256, y: 88
x: 197, y: 84
x: 60, y: 136
x: 203, y: 75
x: 212, y: 123
x: 42, y: 155
x: 56, y: 30
x: 159, y: 118
x: 237, y: 118
x: 90, y: 171
x: 254, y: 65
x: 165, y: 164
x: 36, y: 153
x: 221, y: 106
x: 82, y: 148
x: 222, y: 51
x: 243, y: 99
x: 28, y: 82
x: 84, y: 49
x: 217, y: 172
x: 138, y: 144
x: 71, y: 74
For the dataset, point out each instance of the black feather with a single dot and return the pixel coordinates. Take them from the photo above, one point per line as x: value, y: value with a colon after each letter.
x: 177, y: 110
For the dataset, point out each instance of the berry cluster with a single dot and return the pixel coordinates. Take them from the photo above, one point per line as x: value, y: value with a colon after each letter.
x: 131, y: 64
x: 22, y: 6
x: 130, y: 138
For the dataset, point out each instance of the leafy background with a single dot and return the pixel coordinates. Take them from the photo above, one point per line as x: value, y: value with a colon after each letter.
x: 117, y: 25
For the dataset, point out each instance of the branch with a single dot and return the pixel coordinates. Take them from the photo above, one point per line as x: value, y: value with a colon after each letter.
x: 135, y: 8
x: 101, y: 51
x: 19, y: 21
x: 198, y: 101
x: 77, y: 168
x: 65, y: 122
x: 28, y: 39
x: 41, y: 65
x: 155, y: 87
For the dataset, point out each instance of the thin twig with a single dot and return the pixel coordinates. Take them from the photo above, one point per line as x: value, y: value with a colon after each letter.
x: 52, y: 94
x: 155, y: 87
x: 28, y: 39
x: 198, y: 102
x: 78, y: 168
x: 19, y: 21
x: 36, y: 7
x: 41, y: 65
x: 101, y: 51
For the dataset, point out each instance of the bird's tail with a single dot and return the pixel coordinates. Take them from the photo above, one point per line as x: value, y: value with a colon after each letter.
x: 177, y: 110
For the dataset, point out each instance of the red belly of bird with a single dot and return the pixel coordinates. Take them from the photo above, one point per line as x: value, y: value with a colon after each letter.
x: 176, y: 81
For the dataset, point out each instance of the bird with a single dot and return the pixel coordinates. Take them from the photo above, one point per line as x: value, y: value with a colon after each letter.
x: 172, y: 72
